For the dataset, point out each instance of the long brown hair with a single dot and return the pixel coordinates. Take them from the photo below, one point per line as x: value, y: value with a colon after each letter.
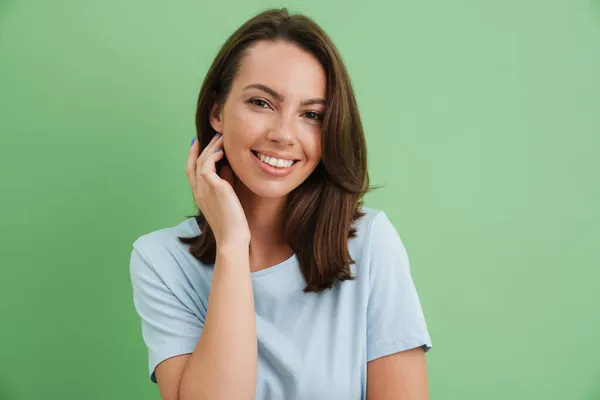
x: 319, y: 213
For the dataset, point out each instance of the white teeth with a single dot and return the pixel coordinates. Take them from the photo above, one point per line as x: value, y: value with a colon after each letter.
x: 275, y: 162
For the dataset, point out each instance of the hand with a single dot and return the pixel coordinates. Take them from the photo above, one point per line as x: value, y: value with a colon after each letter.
x: 214, y: 194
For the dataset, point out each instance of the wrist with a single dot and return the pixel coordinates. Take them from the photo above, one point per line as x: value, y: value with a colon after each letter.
x: 233, y: 248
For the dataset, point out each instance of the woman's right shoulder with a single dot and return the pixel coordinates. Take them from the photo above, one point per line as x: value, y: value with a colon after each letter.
x: 162, y: 270
x: 162, y: 249
x: 168, y: 236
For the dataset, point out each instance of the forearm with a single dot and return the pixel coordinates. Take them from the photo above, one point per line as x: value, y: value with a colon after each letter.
x: 224, y: 363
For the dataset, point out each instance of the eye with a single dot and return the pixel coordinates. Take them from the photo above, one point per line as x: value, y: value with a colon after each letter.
x: 259, y: 102
x: 314, y: 115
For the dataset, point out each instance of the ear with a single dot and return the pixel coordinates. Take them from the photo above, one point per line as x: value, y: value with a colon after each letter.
x: 216, y: 118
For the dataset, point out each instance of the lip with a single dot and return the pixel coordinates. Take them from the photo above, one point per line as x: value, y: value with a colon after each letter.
x: 266, y: 168
x: 276, y: 155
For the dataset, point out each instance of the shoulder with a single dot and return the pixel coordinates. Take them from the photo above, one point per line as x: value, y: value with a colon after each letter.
x: 377, y: 244
x: 166, y: 240
x: 374, y: 229
x: 167, y: 237
x: 163, y: 252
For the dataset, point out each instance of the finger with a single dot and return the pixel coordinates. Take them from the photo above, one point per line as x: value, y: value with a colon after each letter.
x: 207, y: 171
x: 215, y: 145
x: 209, y: 162
x: 212, y: 146
x: 190, y: 169
x: 194, y: 159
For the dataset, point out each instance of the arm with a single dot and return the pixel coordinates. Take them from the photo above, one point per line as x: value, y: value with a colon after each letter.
x: 401, y: 376
x: 214, y: 357
x: 397, y: 333
x: 224, y: 362
x: 223, y: 366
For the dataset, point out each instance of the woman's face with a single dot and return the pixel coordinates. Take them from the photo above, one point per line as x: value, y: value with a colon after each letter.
x: 274, y: 109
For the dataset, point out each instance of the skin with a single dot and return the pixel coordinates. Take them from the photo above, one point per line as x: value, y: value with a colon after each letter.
x: 253, y: 118
x: 275, y: 104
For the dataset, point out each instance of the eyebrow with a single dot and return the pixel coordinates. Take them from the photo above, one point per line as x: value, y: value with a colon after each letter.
x: 280, y: 97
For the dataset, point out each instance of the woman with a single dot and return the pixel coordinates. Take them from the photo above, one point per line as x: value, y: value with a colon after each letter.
x: 284, y: 286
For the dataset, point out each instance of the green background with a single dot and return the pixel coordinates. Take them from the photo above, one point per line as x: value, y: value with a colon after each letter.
x: 482, y: 120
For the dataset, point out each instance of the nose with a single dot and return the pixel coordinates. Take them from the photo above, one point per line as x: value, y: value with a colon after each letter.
x: 283, y: 132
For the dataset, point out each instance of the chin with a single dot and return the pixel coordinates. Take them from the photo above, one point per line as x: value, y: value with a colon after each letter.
x: 269, y: 190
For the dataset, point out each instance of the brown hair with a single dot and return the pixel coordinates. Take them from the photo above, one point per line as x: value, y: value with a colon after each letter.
x: 320, y: 212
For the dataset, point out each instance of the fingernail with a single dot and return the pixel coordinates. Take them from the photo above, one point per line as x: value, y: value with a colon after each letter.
x: 218, y: 150
x: 217, y: 133
x: 193, y: 140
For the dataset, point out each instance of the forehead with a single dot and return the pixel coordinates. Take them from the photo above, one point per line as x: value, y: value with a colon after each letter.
x: 284, y: 67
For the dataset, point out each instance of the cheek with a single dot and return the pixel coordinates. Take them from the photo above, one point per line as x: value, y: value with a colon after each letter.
x: 246, y: 125
x: 313, y: 147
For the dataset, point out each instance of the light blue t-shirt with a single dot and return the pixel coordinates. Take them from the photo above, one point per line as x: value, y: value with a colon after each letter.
x: 311, y: 346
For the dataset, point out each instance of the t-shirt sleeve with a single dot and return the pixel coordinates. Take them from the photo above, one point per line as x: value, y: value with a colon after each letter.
x: 395, y: 320
x: 169, y: 328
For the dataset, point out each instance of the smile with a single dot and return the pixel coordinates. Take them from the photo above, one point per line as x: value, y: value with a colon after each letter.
x: 274, y: 166
x: 274, y: 162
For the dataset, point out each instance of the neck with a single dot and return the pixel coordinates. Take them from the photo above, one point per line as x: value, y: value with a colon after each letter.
x: 265, y: 220
x: 264, y: 216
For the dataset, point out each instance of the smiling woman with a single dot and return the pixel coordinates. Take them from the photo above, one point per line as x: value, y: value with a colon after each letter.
x: 266, y: 92
x: 284, y: 286
x: 265, y: 106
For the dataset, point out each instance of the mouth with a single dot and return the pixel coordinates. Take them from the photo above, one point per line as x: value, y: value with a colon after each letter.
x: 273, y: 162
x: 282, y: 168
